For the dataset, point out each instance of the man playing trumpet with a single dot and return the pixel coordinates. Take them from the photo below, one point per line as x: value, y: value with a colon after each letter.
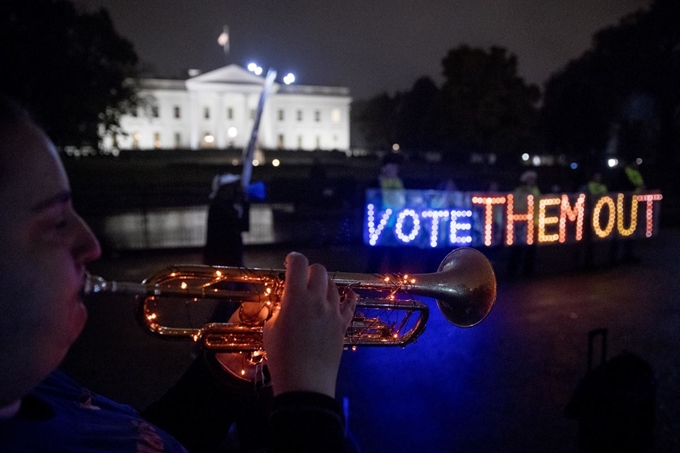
x: 44, y: 249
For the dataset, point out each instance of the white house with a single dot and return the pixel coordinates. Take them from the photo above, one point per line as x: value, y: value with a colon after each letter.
x: 217, y: 109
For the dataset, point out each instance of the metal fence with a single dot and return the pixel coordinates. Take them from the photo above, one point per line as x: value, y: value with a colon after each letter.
x: 176, y: 227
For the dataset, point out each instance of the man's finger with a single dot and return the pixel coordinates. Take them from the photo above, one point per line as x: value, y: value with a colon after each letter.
x: 349, y: 305
x: 318, y: 279
x: 296, y: 272
x: 269, y: 323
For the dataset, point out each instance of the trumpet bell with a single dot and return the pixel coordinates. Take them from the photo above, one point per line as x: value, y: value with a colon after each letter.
x: 468, y: 289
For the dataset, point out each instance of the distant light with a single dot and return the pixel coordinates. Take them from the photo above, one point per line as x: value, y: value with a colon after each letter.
x: 223, y: 39
x: 289, y: 78
x: 574, y: 165
x: 253, y: 67
x: 525, y: 157
x: 209, y: 138
x: 638, y: 161
x: 256, y: 162
x: 612, y: 163
x: 232, y: 132
x: 395, y: 147
x: 234, y: 162
x: 276, y: 162
x: 536, y: 161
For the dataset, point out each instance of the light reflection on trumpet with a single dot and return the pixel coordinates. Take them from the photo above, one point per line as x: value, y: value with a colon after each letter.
x: 387, y: 312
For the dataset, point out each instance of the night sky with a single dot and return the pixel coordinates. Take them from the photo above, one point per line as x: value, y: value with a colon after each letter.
x: 370, y: 46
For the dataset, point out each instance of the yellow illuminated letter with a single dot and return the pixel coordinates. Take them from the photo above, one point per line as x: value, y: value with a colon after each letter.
x: 633, y: 215
x: 511, y: 218
x: 544, y: 220
x: 573, y: 214
x: 603, y: 233
x: 488, y: 203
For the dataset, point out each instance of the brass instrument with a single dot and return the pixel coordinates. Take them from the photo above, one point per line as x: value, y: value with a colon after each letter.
x: 387, y: 314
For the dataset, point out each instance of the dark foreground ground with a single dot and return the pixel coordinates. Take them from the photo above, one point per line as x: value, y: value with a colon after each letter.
x: 499, y: 387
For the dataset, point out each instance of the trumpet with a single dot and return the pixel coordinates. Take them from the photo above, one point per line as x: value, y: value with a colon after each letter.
x: 236, y: 302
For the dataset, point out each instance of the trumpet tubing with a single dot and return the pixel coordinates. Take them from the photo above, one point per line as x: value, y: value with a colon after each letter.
x: 237, y: 301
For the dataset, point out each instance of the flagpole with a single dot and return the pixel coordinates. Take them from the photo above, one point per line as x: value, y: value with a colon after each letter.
x: 223, y: 40
x: 249, y: 150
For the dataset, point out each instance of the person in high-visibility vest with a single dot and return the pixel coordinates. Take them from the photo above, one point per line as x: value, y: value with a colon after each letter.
x: 634, y: 180
x: 595, y: 187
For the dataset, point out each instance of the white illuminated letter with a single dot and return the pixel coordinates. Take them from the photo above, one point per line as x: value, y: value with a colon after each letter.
x: 373, y: 231
x: 399, y: 229
x: 435, y: 216
x: 460, y: 226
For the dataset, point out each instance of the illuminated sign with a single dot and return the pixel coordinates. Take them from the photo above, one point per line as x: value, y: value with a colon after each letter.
x: 433, y: 218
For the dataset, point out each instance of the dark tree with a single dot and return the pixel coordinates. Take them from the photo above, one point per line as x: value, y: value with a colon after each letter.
x: 625, y: 86
x: 419, y: 117
x: 377, y: 120
x: 576, y: 112
x: 69, y: 68
x: 487, y: 105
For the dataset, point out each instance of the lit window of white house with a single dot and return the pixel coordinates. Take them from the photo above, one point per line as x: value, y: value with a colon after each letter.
x: 156, y: 140
x: 178, y: 140
x: 154, y: 111
x: 299, y: 142
x: 335, y: 116
x: 281, y: 143
x: 230, y: 113
x: 281, y: 115
x: 299, y: 115
x: 178, y: 113
x: 135, y: 140
x: 252, y: 114
x: 208, y: 140
x: 317, y: 115
x: 318, y: 142
x: 206, y: 113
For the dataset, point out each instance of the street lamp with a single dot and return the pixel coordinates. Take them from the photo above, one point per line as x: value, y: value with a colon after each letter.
x: 289, y: 78
x: 253, y: 67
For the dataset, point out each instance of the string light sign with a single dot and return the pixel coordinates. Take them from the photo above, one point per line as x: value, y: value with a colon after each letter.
x: 432, y: 218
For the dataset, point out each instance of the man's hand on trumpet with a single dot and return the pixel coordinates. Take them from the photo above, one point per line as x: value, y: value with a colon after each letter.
x: 304, y: 337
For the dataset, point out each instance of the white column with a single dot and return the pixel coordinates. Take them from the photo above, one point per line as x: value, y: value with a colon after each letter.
x: 220, y: 122
x: 194, y: 113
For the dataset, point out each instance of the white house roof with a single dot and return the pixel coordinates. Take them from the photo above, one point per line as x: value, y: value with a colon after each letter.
x: 228, y: 75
